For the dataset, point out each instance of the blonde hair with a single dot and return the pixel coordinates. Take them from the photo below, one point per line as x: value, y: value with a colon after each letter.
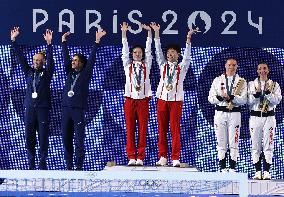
x: 43, y: 53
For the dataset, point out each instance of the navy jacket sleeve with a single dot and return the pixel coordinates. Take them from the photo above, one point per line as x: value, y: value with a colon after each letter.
x: 49, y: 60
x: 21, y: 58
x: 88, y: 70
x: 66, y: 57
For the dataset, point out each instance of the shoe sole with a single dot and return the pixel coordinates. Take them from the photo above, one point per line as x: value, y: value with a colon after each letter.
x: 161, y: 165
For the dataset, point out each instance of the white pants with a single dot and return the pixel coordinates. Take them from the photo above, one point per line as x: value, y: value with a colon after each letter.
x: 227, y: 129
x: 262, y: 131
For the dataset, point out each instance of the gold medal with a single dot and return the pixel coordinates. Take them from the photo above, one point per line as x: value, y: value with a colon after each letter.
x: 169, y: 87
x: 138, y: 88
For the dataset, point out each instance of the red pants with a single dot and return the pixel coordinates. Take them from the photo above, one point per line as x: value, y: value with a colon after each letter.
x: 169, y: 110
x: 136, y: 109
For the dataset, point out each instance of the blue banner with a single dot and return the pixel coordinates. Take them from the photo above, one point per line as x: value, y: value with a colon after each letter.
x: 223, y: 23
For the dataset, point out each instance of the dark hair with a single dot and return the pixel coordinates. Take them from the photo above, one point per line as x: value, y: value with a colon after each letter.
x: 141, y: 47
x: 231, y: 58
x: 263, y: 62
x: 82, y: 58
x: 175, y: 47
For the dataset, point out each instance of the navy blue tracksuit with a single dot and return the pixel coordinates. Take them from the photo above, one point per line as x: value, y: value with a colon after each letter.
x: 73, y: 108
x: 37, y: 109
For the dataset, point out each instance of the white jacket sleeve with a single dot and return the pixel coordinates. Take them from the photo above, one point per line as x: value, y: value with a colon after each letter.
x: 148, y: 53
x: 213, y: 93
x: 251, y: 91
x: 275, y: 96
x: 125, y: 53
x: 186, y: 57
x: 159, y: 53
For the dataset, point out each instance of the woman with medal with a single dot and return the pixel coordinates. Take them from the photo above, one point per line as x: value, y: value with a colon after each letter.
x: 263, y: 97
x: 170, y: 94
x: 229, y: 89
x: 79, y: 72
x: 137, y: 94
x: 37, y: 100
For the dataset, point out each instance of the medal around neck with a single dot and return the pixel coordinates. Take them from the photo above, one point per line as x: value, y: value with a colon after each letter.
x: 138, y: 88
x: 34, y: 95
x: 169, y: 87
x: 70, y: 93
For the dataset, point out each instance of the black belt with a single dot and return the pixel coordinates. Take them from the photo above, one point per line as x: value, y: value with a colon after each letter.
x: 262, y: 114
x: 225, y: 109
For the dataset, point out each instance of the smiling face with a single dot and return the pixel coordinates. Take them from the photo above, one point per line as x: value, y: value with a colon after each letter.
x: 172, y: 55
x: 137, y: 54
x: 76, y: 63
x: 263, y: 71
x: 231, y: 67
x: 38, y: 61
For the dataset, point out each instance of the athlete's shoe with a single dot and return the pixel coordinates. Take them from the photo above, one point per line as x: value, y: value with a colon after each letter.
x: 257, y: 175
x: 131, y: 162
x: 176, y: 163
x: 266, y: 175
x: 162, y: 162
x: 139, y: 162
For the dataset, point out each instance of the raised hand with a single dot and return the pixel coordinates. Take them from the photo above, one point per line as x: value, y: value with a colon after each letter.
x: 14, y: 33
x: 124, y: 26
x: 193, y: 31
x: 64, y: 36
x: 155, y: 26
x: 48, y: 36
x: 148, y: 28
x: 99, y: 35
x: 190, y: 32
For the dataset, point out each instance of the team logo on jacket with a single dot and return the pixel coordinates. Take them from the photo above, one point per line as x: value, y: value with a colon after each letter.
x: 251, y: 131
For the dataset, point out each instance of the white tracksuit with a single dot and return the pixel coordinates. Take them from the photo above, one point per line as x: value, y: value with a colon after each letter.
x: 262, y: 125
x: 227, y: 124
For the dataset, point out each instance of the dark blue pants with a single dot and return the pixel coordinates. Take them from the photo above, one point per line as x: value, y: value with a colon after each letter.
x: 73, y: 119
x: 36, y: 118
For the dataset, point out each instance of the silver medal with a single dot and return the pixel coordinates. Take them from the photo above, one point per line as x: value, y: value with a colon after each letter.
x: 34, y: 95
x: 70, y: 93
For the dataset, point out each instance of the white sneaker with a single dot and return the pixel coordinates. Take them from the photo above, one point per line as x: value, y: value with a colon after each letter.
x: 162, y: 162
x: 266, y: 175
x: 176, y: 163
x: 232, y: 170
x: 225, y: 170
x: 257, y: 175
x: 131, y: 162
x: 139, y: 162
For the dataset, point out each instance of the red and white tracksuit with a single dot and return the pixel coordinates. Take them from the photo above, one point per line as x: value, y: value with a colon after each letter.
x: 262, y: 125
x: 227, y: 124
x: 169, y: 106
x: 137, y: 95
